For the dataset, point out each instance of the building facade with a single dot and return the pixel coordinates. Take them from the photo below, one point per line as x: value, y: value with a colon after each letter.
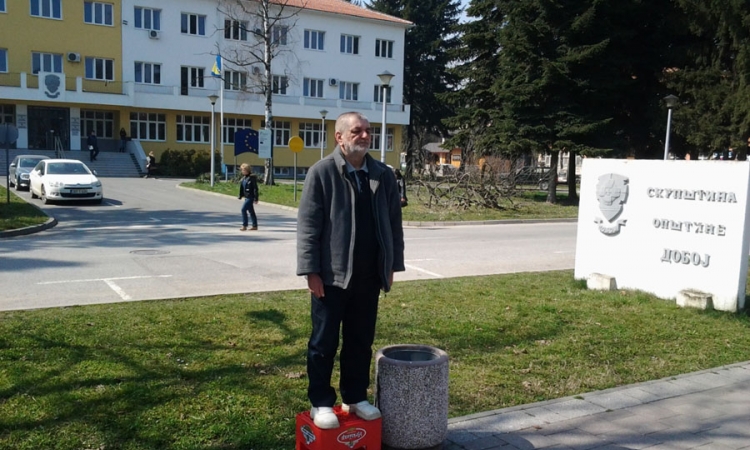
x: 68, y: 67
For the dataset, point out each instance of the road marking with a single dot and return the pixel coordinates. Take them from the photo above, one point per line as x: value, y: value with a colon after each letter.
x: 432, y: 274
x: 104, y: 279
x: 118, y: 290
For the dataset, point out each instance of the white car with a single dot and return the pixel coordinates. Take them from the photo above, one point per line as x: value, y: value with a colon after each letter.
x: 64, y: 179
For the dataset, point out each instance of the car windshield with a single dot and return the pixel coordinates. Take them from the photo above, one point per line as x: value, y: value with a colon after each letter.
x: 67, y: 169
x: 28, y: 163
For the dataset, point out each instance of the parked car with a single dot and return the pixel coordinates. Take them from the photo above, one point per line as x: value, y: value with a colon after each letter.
x: 64, y: 179
x: 19, y: 170
x: 538, y: 176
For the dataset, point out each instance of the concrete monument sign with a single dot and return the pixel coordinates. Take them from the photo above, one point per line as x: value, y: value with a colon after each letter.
x: 666, y: 226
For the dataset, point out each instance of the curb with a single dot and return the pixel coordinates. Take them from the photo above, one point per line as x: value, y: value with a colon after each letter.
x: 422, y: 224
x: 51, y: 222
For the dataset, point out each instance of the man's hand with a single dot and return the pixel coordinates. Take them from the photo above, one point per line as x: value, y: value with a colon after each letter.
x: 315, y: 285
x: 255, y: 202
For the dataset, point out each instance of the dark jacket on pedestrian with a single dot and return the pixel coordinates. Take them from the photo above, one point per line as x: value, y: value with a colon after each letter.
x: 325, y: 221
x: 249, y: 187
x: 92, y: 142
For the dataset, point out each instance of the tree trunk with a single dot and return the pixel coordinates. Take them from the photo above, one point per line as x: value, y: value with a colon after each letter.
x: 572, y: 193
x: 552, y: 185
x: 267, y: 56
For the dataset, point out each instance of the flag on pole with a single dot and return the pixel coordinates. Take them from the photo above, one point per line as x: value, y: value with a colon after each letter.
x: 216, y: 69
x: 245, y: 140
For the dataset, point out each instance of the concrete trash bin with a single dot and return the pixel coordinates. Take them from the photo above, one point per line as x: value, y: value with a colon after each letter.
x: 412, y: 394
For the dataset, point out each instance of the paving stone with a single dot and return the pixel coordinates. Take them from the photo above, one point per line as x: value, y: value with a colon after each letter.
x: 485, y: 443
x: 575, y: 408
x: 639, y: 425
x: 612, y: 400
x: 459, y: 437
x: 528, y: 440
x: 635, y: 441
x: 667, y: 389
x: 544, y: 415
x: 512, y: 421
x: 579, y: 439
x: 600, y: 427
x: 680, y: 439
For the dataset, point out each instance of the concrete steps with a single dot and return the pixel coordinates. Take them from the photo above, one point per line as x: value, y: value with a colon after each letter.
x: 107, y: 164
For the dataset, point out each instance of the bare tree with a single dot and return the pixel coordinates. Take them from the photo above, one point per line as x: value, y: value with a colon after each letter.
x: 258, y: 33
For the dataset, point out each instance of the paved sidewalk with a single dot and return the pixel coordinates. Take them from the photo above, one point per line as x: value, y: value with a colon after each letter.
x: 709, y: 410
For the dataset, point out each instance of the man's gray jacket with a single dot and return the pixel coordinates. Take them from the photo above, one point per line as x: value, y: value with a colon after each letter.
x: 326, y: 225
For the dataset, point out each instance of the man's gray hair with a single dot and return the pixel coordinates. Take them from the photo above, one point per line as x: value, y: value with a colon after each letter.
x: 343, y: 121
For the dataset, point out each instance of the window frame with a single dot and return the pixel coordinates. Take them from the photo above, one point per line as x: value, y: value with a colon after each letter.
x: 2, y: 6
x: 276, y: 81
x: 280, y: 35
x: 92, y: 6
x: 235, y: 80
x: 349, y: 48
x: 186, y: 25
x: 284, y: 130
x: 105, y: 62
x: 307, y: 87
x: 375, y: 138
x: 310, y: 132
x: 4, y: 60
x: 187, y: 129
x: 353, y: 91
x: 236, y: 30
x: 152, y: 73
x: 52, y: 5
x: 378, y: 94
x: 139, y: 18
x: 152, y: 123
x: 41, y: 55
x: 196, y: 76
x: 103, y: 123
x: 379, y: 44
x: 233, y: 124
x: 317, y: 36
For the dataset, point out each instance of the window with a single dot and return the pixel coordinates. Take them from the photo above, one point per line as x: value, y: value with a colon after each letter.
x: 147, y: 18
x: 282, y: 132
x: 232, y: 126
x: 193, y: 24
x: 102, y: 123
x: 46, y: 62
x: 375, y: 140
x: 350, y: 44
x: 51, y: 9
x: 313, y: 88
x: 147, y: 73
x: 148, y: 126
x: 348, y: 90
x: 310, y: 133
x: 193, y: 128
x: 235, y: 30
x: 100, y: 69
x: 2, y: 5
x: 278, y: 34
x: 193, y: 75
x: 235, y: 80
x: 97, y: 13
x: 315, y: 40
x: 377, y: 94
x: 279, y: 84
x: 383, y: 49
x: 7, y: 114
x: 3, y: 60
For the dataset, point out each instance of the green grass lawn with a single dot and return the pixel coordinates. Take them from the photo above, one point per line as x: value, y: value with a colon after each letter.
x: 18, y: 213
x: 525, y: 205
x: 227, y: 372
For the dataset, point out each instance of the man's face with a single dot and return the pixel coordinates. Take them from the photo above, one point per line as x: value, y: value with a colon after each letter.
x: 356, y: 139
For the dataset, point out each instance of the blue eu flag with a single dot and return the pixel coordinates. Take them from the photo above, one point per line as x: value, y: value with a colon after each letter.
x: 245, y: 140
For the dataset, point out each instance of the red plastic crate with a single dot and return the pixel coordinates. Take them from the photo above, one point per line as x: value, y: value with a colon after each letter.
x: 353, y: 433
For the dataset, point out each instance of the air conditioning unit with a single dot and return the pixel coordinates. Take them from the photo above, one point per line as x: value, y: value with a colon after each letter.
x: 333, y: 82
x: 74, y: 57
x: 256, y: 70
x: 153, y: 34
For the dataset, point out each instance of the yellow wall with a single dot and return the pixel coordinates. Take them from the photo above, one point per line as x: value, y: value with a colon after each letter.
x: 22, y: 34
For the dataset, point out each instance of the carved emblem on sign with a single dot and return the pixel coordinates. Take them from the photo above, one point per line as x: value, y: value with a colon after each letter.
x: 612, y: 194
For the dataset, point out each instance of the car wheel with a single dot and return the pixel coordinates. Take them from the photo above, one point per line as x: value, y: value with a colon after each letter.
x: 33, y: 195
x: 17, y: 185
x: 45, y: 200
x: 98, y: 201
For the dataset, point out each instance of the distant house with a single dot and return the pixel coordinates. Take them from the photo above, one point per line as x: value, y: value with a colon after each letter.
x: 440, y: 156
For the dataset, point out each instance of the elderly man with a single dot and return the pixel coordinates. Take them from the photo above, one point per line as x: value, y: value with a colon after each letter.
x: 349, y: 243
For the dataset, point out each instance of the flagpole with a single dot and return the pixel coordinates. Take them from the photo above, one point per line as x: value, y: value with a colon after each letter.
x: 221, y: 128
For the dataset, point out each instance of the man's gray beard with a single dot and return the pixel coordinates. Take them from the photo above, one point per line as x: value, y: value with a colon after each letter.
x: 357, y: 149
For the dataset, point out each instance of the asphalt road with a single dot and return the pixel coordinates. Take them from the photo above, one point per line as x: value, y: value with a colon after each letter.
x: 152, y: 240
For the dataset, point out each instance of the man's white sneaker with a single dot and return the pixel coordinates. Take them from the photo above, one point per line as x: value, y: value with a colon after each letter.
x: 324, y: 418
x: 363, y: 410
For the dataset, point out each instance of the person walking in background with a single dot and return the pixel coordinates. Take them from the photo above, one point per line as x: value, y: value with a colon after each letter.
x: 350, y: 240
x: 249, y: 192
x: 123, y: 140
x: 93, y: 146
x: 401, y: 187
x: 150, y: 164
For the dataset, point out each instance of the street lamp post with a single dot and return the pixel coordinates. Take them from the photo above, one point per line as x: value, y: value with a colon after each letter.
x: 212, y: 99
x: 671, y: 101
x: 323, y: 113
x: 385, y: 80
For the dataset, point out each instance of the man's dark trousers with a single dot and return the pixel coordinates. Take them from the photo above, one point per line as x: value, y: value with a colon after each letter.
x: 356, y: 309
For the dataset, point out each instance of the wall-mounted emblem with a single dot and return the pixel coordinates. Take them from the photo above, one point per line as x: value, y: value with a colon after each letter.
x: 612, y: 194
x: 52, y: 83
